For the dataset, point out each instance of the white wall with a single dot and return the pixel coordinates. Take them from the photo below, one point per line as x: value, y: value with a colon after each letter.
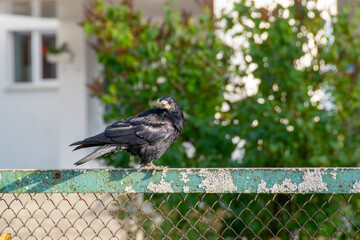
x: 80, y: 116
x: 28, y: 128
x: 28, y: 115
x: 37, y: 123
x: 74, y: 118
x: 4, y: 6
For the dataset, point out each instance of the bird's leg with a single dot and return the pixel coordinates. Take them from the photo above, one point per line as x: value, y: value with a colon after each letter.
x: 151, y: 166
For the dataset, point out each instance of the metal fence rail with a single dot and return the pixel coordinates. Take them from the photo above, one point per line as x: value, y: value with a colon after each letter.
x: 309, y: 203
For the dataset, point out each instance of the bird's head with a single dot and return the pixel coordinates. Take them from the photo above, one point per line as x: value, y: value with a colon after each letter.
x: 167, y: 103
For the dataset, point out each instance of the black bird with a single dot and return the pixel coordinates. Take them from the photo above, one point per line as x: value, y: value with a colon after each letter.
x: 146, y: 135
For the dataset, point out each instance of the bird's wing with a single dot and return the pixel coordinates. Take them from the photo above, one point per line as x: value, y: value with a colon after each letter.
x: 151, y: 129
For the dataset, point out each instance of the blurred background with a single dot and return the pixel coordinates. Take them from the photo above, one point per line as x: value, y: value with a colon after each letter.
x: 262, y: 83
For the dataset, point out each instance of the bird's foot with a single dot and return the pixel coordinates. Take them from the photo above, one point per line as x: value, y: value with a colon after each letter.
x: 151, y: 166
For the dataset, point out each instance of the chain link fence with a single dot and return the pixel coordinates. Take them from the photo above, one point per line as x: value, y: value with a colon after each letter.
x: 180, y: 215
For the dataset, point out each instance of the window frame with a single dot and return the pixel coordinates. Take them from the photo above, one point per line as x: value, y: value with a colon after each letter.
x: 36, y: 26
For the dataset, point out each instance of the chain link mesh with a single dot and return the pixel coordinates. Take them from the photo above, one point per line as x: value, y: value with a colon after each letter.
x: 179, y: 216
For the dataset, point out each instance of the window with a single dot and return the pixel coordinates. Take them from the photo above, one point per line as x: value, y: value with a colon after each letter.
x: 21, y: 8
x: 22, y: 56
x: 48, y: 9
x: 48, y: 69
x: 30, y: 51
x: 25, y: 43
x: 37, y: 8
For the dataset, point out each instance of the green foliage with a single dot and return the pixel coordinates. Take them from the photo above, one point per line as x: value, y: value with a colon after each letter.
x: 344, y: 57
x: 182, y: 57
x: 282, y: 123
x: 295, y: 57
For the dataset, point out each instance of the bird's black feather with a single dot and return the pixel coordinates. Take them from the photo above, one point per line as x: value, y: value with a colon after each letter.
x: 147, y: 135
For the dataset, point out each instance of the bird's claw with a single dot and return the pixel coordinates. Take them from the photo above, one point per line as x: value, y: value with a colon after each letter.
x: 153, y: 167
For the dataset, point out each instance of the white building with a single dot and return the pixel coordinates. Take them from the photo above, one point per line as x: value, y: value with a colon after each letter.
x: 45, y: 107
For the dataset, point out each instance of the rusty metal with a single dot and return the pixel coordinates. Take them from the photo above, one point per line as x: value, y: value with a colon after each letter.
x: 237, y: 180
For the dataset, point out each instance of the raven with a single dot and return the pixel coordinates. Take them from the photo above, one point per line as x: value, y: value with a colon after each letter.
x: 146, y: 135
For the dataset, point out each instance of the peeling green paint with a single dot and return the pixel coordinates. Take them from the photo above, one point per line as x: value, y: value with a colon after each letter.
x: 196, y: 180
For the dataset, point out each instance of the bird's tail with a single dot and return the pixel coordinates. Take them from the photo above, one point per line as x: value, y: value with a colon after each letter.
x: 94, y: 141
x: 104, y: 150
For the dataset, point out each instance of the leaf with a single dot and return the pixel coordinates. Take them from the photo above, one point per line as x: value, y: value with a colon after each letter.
x: 5, y: 236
